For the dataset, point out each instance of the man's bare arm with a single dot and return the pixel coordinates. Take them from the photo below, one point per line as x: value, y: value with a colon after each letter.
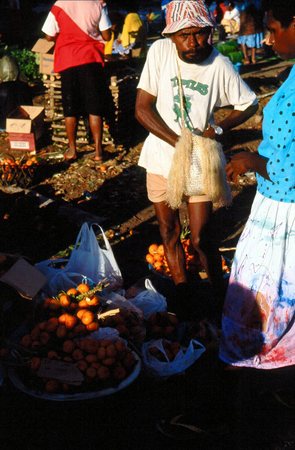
x: 147, y: 114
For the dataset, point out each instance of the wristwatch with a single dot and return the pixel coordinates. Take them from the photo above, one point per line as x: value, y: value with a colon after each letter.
x: 218, y: 130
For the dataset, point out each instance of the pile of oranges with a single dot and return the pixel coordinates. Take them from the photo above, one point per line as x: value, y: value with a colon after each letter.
x: 156, y: 258
x: 19, y: 171
x: 61, y: 333
x: 157, y: 261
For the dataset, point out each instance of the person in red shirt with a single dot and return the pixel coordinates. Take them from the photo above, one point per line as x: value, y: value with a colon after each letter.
x: 79, y: 29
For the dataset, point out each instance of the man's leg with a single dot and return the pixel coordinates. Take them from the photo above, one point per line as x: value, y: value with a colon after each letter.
x: 245, y: 53
x: 71, y: 129
x: 170, y: 230
x: 203, y: 237
x: 96, y: 123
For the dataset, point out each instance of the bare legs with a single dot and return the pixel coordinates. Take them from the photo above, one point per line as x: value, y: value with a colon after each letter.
x: 246, y: 56
x: 170, y: 229
x: 202, y: 238
x: 95, y: 123
x: 71, y: 129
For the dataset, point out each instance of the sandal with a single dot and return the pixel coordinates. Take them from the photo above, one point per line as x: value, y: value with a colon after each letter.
x: 181, y: 429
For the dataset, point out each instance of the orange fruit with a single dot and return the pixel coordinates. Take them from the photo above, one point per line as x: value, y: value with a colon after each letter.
x: 153, y: 248
x: 70, y: 321
x: 80, y: 313
x: 35, y: 363
x: 64, y: 300
x: 52, y: 386
x: 87, y: 317
x: 83, y: 287
x: 158, y: 265
x: 93, y: 326
x: 26, y: 341
x: 61, y: 331
x: 72, y: 291
x: 52, y: 355
x: 68, y: 346
x: 93, y: 301
x: 158, y: 257
x: 161, y: 250
x: 149, y: 258
x: 83, y: 303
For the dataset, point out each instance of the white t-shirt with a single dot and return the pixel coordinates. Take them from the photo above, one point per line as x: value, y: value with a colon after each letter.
x: 233, y: 14
x: 212, y: 83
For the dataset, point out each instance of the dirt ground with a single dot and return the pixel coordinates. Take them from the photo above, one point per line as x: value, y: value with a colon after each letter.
x: 44, y: 220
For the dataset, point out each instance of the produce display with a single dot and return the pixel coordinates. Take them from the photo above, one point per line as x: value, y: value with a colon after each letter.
x: 59, y: 353
x: 169, y: 351
x: 81, y: 345
x: 162, y: 325
x: 157, y: 261
x: 19, y: 171
x: 129, y: 324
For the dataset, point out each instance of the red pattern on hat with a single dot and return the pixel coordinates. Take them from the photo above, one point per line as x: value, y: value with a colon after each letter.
x: 187, y: 13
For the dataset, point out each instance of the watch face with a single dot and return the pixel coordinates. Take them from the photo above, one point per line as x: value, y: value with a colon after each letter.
x: 218, y: 130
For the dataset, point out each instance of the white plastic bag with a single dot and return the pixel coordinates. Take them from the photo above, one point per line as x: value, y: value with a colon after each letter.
x: 182, y: 361
x: 84, y: 258
x: 87, y: 261
x: 149, y: 300
x: 107, y: 264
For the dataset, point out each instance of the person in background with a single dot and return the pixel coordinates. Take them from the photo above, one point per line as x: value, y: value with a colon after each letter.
x: 251, y: 32
x: 114, y: 45
x: 80, y: 29
x: 258, y: 326
x: 208, y: 80
x: 134, y: 33
x: 231, y: 19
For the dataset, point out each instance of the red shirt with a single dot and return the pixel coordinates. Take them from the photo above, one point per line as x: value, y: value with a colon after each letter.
x: 76, y: 25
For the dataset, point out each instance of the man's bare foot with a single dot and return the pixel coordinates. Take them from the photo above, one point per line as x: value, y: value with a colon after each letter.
x: 70, y: 155
x: 95, y: 157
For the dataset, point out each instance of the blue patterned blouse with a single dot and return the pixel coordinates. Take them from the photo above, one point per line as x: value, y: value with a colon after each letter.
x: 278, y: 144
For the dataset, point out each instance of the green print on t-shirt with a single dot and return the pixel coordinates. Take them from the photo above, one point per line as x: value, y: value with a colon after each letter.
x: 187, y: 109
x: 188, y: 84
x: 191, y: 84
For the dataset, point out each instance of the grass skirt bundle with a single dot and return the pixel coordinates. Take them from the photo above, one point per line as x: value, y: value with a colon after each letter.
x: 198, y: 168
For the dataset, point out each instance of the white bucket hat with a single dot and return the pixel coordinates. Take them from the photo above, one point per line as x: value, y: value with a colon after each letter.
x: 182, y: 14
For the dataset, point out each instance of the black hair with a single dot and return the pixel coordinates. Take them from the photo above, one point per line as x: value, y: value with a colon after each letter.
x: 282, y: 10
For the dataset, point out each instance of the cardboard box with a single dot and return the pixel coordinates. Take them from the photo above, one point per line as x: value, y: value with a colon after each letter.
x: 25, y: 125
x: 46, y: 58
x: 46, y: 64
x: 24, y: 278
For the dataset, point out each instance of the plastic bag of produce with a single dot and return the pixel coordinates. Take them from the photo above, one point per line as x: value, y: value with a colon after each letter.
x: 150, y: 300
x: 8, y: 69
x: 87, y: 260
x: 163, y: 358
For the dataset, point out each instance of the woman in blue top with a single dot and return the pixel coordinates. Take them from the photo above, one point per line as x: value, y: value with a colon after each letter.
x: 258, y: 325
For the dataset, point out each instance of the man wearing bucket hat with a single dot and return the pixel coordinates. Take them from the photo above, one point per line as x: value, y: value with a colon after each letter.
x: 208, y: 80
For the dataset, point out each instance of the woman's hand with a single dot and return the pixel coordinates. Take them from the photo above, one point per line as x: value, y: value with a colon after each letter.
x: 238, y: 165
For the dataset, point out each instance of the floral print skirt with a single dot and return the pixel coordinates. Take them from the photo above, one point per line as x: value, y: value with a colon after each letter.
x: 258, y: 324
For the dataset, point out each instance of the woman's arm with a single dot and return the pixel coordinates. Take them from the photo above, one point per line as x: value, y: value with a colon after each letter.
x: 244, y: 162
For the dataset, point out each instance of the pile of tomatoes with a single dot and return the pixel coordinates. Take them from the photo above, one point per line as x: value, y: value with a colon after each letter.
x: 19, y: 171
